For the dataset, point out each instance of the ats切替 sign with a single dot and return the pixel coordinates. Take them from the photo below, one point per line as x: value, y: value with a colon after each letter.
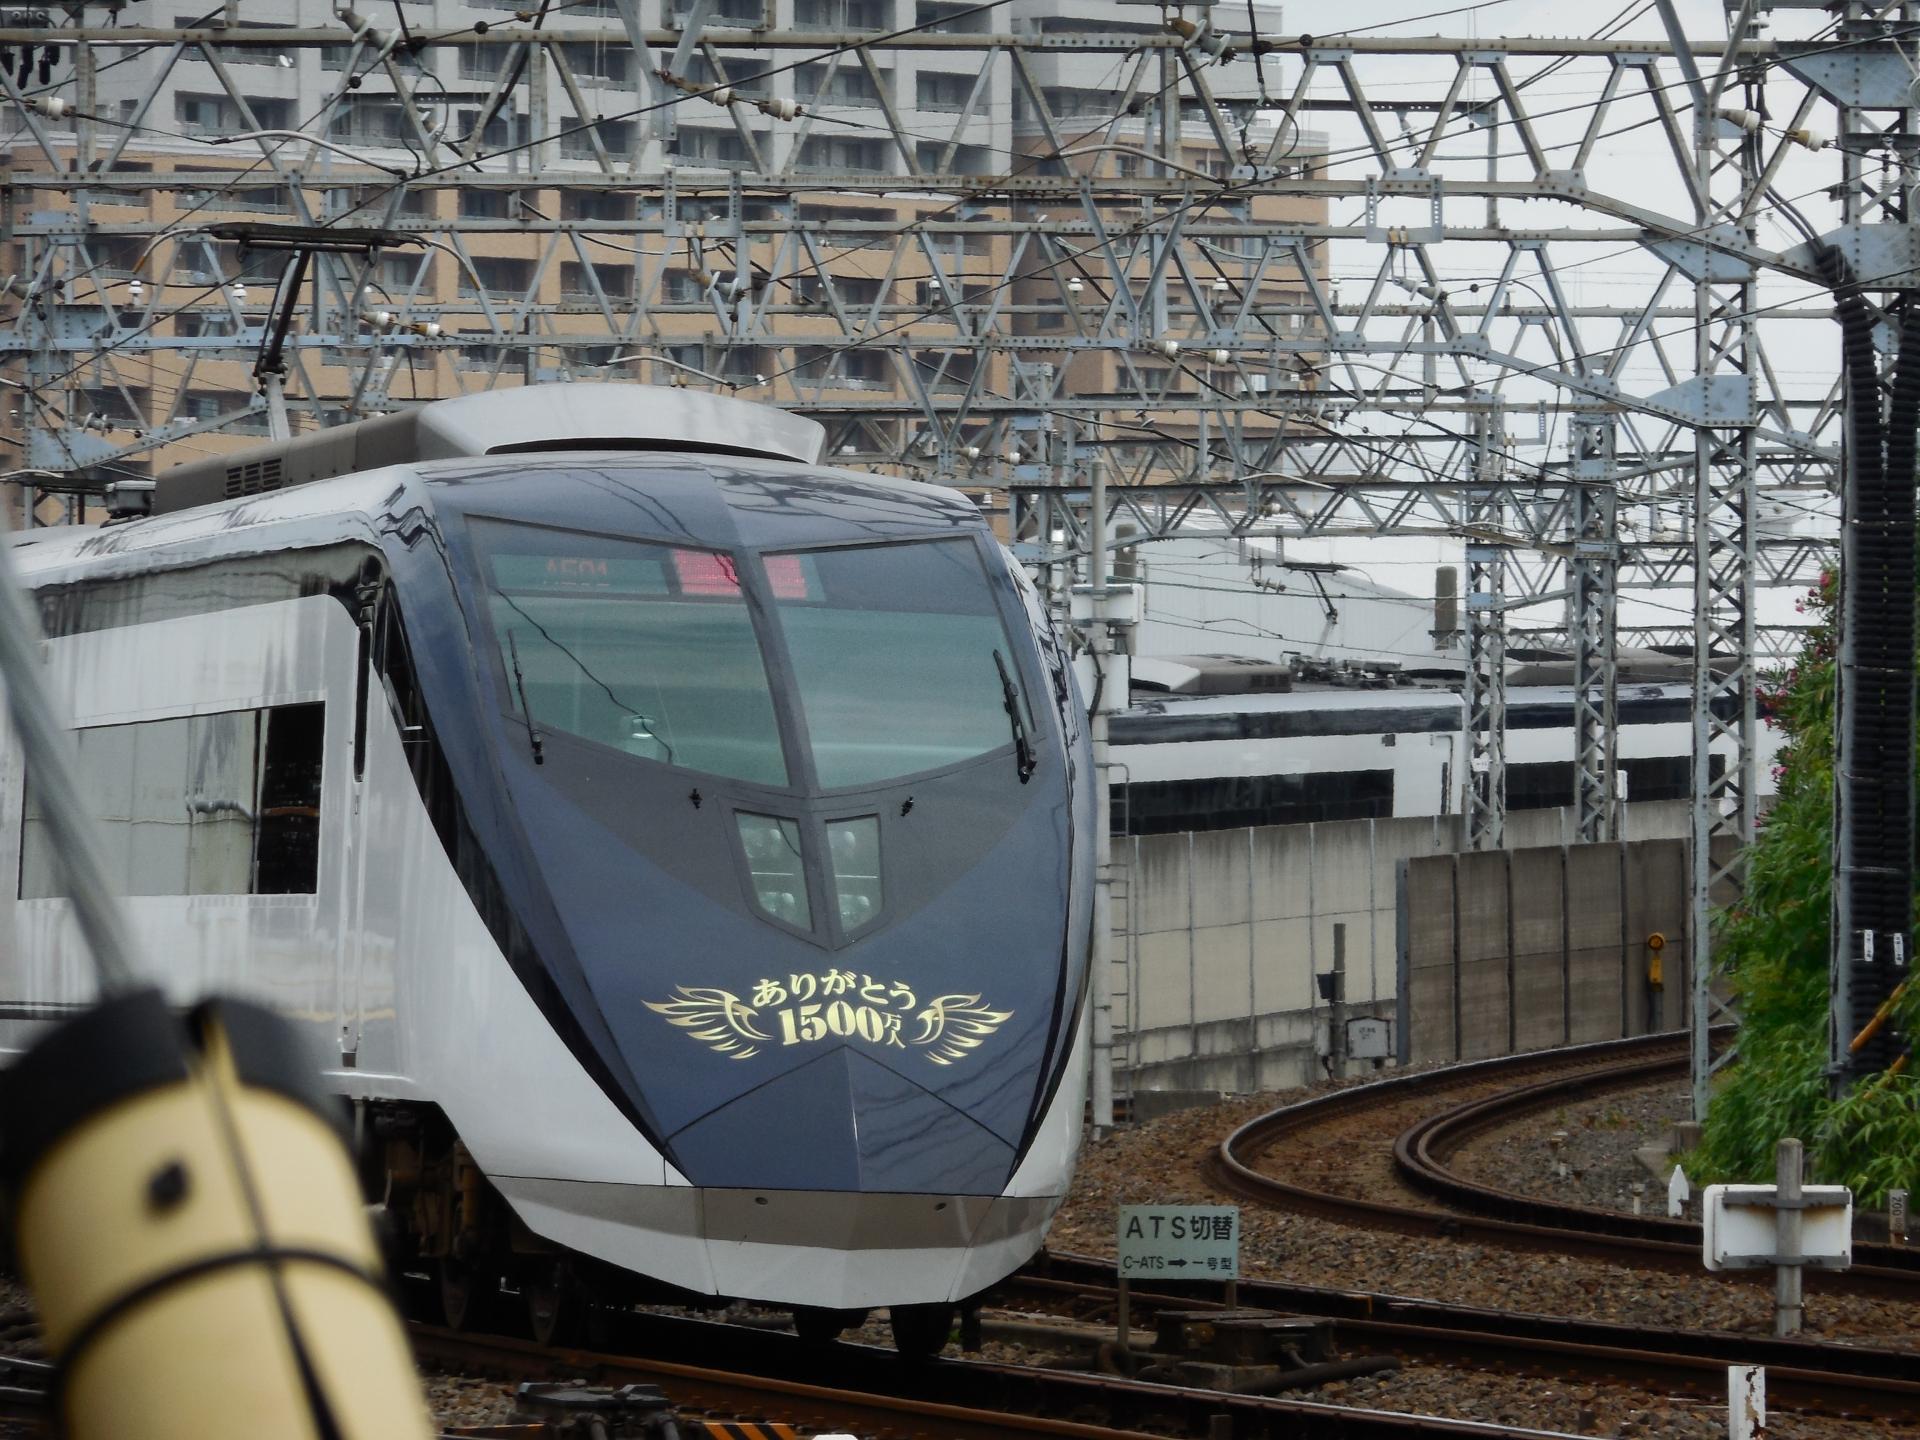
x: 1179, y: 1241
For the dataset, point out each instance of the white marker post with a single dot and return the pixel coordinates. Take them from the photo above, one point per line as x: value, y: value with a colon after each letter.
x: 1678, y: 1193
x: 1746, y: 1402
x: 1897, y: 1217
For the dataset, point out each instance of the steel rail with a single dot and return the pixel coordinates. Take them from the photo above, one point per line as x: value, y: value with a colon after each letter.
x: 1233, y: 1167
x: 1804, y: 1375
x: 879, y: 1394
x: 1421, y: 1154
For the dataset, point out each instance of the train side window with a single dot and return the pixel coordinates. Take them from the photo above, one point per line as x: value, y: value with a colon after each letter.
x: 219, y: 804
x: 286, y: 841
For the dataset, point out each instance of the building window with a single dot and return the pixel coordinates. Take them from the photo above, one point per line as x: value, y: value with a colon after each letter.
x: 850, y: 85
x: 218, y: 115
x: 371, y: 121
x: 841, y: 365
x: 946, y: 372
x: 843, y: 14
x: 967, y: 159
x: 212, y: 404
x: 478, y: 204
x: 616, y: 281
x: 715, y: 147
x: 503, y: 128
x: 222, y: 804
x: 939, y: 18
x: 943, y: 90
x: 403, y: 270
x: 595, y: 205
x: 576, y: 140
x: 500, y: 274
x: 844, y: 152
x: 600, y: 61
x: 484, y: 62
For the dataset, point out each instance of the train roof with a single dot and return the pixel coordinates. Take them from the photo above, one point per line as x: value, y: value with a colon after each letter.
x: 524, y: 420
x: 700, y: 499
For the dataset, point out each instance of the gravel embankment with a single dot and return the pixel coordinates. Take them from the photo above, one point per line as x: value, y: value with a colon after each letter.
x: 1159, y: 1162
x: 1594, y: 1139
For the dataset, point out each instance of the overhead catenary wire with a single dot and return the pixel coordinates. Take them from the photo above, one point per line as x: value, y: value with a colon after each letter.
x: 868, y: 338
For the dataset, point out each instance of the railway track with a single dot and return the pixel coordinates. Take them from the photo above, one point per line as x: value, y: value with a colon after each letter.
x: 1423, y: 1152
x: 1807, y: 1376
x: 1421, y: 1146
x: 875, y: 1394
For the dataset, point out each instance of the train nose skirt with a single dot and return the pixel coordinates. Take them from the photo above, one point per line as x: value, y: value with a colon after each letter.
x: 843, y: 1122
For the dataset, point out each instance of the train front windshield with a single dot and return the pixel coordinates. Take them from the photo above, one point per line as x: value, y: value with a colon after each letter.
x: 898, y: 657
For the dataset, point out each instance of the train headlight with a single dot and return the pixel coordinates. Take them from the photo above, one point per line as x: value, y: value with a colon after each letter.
x: 779, y: 870
x: 855, y: 848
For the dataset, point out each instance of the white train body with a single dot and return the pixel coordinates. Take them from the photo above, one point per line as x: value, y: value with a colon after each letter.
x: 1321, y: 752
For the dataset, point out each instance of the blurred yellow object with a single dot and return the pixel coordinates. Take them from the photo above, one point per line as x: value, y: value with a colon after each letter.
x: 191, y: 1227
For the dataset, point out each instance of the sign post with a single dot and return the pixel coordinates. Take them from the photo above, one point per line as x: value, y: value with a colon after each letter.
x: 1746, y: 1402
x: 1787, y: 1225
x: 1897, y: 1217
x: 1175, y: 1242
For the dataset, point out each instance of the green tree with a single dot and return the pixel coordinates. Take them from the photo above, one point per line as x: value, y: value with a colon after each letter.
x: 1773, y: 945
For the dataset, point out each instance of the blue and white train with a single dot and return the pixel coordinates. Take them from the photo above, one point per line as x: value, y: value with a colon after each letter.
x: 679, y: 851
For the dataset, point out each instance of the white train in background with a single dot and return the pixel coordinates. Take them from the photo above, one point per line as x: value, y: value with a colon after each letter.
x: 1221, y: 742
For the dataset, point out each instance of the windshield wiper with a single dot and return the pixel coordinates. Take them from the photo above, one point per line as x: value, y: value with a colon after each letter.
x: 1010, y: 698
x: 526, y: 710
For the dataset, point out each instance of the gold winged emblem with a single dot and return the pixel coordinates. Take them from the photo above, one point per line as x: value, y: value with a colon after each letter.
x: 716, y: 1017
x: 849, y: 1007
x: 954, y: 1025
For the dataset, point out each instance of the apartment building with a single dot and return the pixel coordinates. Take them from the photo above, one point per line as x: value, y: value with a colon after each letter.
x: 555, y: 260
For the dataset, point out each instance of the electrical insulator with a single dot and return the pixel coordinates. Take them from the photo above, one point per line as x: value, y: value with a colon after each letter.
x: 1219, y: 357
x: 239, y: 293
x: 52, y: 106
x: 779, y: 109
x: 427, y: 329
x: 1809, y: 138
x: 722, y: 97
x: 381, y: 319
x: 1748, y: 120
x: 972, y: 452
x: 1168, y: 348
x: 134, y: 291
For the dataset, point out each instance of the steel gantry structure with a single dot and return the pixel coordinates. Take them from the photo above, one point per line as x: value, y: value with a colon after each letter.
x: 1545, y: 296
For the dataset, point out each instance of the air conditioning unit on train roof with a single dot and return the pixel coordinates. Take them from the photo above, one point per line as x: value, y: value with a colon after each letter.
x: 528, y: 419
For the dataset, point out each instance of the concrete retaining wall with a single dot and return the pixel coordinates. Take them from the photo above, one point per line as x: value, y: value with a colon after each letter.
x: 1219, y: 935
x: 1504, y: 951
